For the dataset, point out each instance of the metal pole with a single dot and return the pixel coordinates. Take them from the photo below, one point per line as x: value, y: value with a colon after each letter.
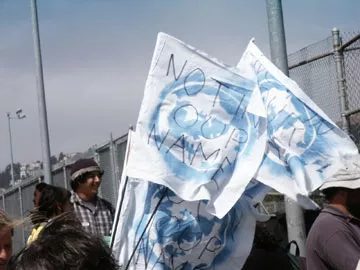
x: 65, y: 175
x: 21, y: 213
x: 11, y: 153
x: 114, y: 153
x: 112, y: 163
x: 4, y: 205
x: 44, y: 131
x: 340, y: 74
x: 277, y: 35
x: 294, y: 213
x: 117, y: 166
x: 97, y: 159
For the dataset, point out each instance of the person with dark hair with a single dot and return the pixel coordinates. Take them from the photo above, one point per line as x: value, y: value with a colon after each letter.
x: 63, y: 245
x: 6, y: 233
x: 53, y: 201
x: 38, y: 188
x: 334, y: 238
x: 96, y: 215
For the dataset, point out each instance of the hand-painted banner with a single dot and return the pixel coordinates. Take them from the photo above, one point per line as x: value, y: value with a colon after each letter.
x: 196, y: 133
x: 204, y: 134
x: 155, y: 229
x: 206, y: 130
x: 304, y: 146
x: 160, y: 231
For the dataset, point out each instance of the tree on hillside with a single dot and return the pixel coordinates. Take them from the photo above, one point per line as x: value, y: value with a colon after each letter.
x: 61, y: 156
x: 53, y: 160
x: 17, y: 167
x: 5, y: 178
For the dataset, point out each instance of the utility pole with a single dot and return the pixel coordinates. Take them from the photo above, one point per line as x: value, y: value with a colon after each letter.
x: 44, y: 130
x: 294, y: 213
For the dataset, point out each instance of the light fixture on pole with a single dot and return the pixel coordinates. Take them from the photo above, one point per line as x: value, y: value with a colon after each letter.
x: 19, y: 116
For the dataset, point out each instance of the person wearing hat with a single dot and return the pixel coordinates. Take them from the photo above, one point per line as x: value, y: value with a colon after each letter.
x: 95, y: 214
x: 334, y: 238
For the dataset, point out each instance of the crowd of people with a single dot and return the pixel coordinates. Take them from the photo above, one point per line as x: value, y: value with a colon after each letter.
x: 71, y: 229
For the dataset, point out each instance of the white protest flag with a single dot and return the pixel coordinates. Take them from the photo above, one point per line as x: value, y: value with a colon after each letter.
x: 304, y: 146
x: 197, y: 132
x: 159, y: 231
x: 155, y: 229
x: 118, y: 239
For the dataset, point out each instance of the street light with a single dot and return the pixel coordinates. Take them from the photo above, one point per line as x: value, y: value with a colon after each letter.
x: 19, y: 116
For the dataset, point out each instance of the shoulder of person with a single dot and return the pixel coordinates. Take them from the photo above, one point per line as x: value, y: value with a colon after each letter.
x: 328, y: 221
x: 324, y: 227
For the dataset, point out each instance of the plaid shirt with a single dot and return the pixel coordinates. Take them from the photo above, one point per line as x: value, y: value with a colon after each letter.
x: 98, y: 222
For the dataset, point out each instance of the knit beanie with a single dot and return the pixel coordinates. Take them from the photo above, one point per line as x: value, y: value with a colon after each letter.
x: 82, y: 166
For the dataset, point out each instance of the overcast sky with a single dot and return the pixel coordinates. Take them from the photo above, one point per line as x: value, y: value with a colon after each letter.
x: 96, y: 55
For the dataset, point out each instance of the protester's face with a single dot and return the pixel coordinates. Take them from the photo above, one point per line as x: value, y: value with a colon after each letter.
x: 5, y: 248
x: 91, y: 186
x: 36, y: 198
x: 353, y: 202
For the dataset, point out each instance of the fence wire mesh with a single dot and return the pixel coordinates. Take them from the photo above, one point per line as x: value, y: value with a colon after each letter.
x: 317, y: 77
x: 108, y: 187
x: 352, y: 75
x: 354, y: 120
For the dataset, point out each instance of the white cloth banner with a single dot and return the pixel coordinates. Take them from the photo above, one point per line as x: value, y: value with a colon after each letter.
x: 205, y: 130
x: 210, y: 142
x: 158, y: 230
x: 155, y: 229
x: 196, y: 133
x: 304, y: 146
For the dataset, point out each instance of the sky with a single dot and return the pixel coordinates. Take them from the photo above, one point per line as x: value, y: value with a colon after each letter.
x: 97, y: 53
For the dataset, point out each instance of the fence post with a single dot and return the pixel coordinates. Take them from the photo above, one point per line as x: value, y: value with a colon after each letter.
x: 340, y: 75
x: 113, y: 163
x: 117, y: 168
x: 97, y: 159
x: 294, y: 213
x: 4, y: 205
x: 21, y: 213
x: 65, y: 174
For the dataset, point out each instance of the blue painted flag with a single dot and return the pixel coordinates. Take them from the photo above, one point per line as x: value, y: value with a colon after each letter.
x: 197, y: 133
x: 210, y: 142
x: 304, y: 147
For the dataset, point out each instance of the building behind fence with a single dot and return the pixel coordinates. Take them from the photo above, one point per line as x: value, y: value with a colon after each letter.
x: 329, y: 75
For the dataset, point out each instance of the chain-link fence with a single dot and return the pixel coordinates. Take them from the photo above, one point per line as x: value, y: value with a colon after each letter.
x: 352, y: 76
x: 317, y: 76
x: 329, y: 70
x: 17, y: 201
x: 326, y: 71
x: 316, y: 70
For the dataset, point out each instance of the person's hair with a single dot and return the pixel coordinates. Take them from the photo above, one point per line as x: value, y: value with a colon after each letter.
x: 74, y: 184
x: 63, y: 244
x: 39, y: 187
x: 6, y: 223
x: 50, y: 199
x: 329, y: 193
